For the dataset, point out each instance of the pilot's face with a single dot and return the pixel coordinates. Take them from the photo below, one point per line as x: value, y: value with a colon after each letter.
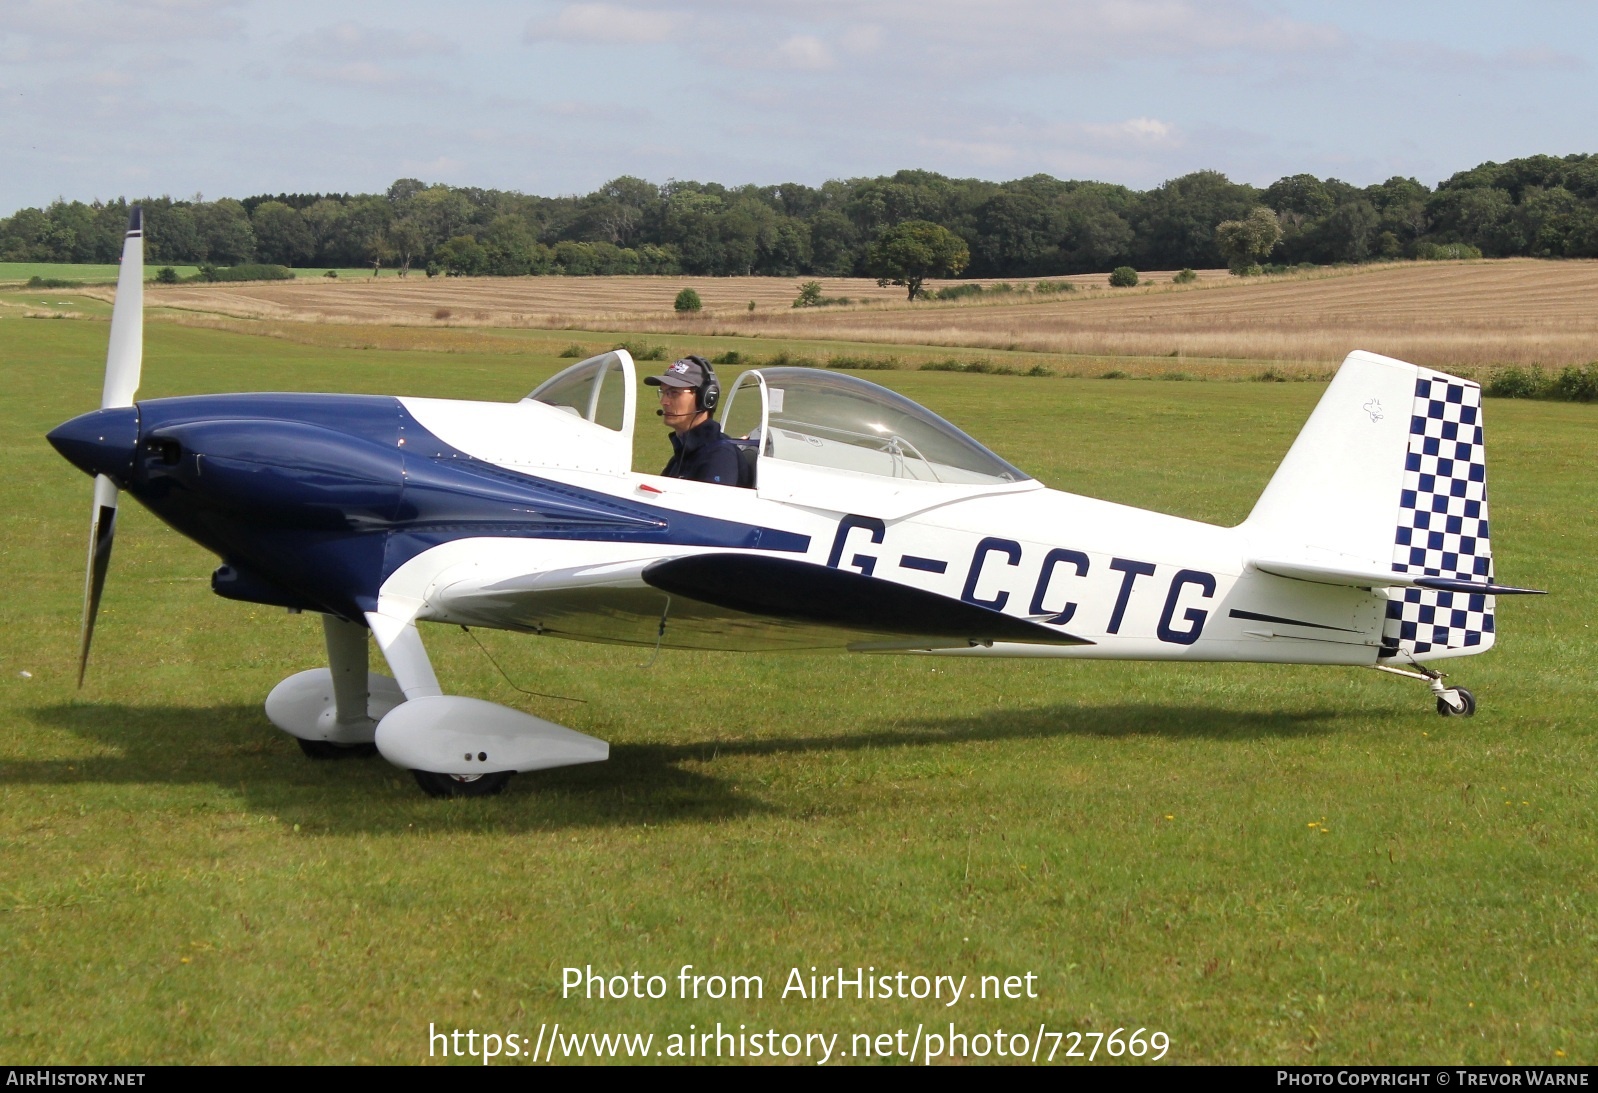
x: 678, y: 407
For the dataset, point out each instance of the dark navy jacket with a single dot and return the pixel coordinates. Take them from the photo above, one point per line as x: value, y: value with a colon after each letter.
x: 704, y: 455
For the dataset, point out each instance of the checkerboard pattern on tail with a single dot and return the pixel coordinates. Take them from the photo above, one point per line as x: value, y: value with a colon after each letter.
x: 1442, y: 523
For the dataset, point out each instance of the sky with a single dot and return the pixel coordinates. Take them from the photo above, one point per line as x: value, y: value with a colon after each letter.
x: 107, y: 98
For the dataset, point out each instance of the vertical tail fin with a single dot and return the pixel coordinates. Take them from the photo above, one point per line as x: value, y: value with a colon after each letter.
x: 1389, y: 475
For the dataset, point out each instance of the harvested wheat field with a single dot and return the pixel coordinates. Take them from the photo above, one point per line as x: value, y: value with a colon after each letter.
x: 502, y: 301
x: 1469, y: 314
x: 1453, y: 314
x: 552, y: 302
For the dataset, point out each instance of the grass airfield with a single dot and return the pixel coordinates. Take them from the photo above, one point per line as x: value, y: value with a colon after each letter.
x: 1269, y: 864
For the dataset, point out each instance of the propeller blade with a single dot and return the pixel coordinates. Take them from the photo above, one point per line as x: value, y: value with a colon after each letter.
x: 102, y: 530
x: 125, y: 358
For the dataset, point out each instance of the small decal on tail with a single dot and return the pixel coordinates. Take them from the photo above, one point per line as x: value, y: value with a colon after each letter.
x: 1442, y: 523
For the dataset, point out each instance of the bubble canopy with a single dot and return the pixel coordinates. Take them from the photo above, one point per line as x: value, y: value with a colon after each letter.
x: 829, y: 420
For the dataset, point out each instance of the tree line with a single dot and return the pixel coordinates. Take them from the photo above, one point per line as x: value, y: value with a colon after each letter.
x: 1539, y: 206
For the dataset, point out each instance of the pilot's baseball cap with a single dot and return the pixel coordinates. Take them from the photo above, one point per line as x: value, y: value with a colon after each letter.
x: 687, y: 372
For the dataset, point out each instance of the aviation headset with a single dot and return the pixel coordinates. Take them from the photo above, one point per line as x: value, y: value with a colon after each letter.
x: 708, y: 393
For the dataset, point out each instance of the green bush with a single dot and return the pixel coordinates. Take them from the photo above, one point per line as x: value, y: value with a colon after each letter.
x: 958, y: 292
x: 52, y: 282
x: 785, y: 359
x: 731, y: 356
x: 166, y: 275
x: 1573, y: 383
x: 810, y: 296
x: 1185, y: 277
x: 247, y: 272
x: 1517, y: 383
x: 333, y: 273
x: 1045, y: 288
x: 978, y: 367
x: 1442, y: 252
x: 864, y: 364
x: 643, y: 351
x: 574, y: 351
x: 1116, y: 374
x: 1123, y: 277
x: 687, y: 300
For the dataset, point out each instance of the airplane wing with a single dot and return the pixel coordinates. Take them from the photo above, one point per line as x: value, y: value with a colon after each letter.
x: 732, y: 601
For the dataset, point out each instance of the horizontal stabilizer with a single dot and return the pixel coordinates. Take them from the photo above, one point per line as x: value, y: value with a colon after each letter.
x: 818, y: 595
x: 1354, y: 577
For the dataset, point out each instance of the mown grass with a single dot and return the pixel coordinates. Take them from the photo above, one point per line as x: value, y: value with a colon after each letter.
x: 1270, y: 864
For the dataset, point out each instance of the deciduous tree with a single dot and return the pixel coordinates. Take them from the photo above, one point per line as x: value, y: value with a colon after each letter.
x: 913, y: 250
x: 1244, y: 243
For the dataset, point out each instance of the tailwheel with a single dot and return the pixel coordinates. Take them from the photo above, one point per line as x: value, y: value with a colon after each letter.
x: 1451, y: 701
x: 326, y: 749
x: 462, y: 785
x: 1466, y: 703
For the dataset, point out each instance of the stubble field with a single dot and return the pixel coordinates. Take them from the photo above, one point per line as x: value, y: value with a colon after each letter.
x: 1445, y: 314
x: 1271, y: 865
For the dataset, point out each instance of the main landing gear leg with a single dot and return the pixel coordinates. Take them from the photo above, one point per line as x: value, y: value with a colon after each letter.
x: 333, y: 712
x: 462, y: 747
x: 1451, y: 701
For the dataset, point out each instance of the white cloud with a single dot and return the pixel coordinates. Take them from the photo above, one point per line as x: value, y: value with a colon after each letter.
x: 351, y: 41
x: 605, y: 24
x: 53, y: 30
x: 1539, y: 59
x: 354, y: 74
x: 1144, y: 131
x: 436, y: 168
x: 805, y: 51
x: 862, y: 40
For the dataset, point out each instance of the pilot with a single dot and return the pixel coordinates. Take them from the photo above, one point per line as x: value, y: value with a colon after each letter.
x: 688, y: 393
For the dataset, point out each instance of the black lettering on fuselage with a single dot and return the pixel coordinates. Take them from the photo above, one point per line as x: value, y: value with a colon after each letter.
x: 1050, y: 560
x: 1201, y: 583
x: 991, y: 545
x: 863, y: 562
x: 1205, y: 582
x: 1132, y: 571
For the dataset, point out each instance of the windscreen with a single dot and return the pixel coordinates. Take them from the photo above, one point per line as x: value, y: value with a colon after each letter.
x: 594, y: 390
x: 828, y: 420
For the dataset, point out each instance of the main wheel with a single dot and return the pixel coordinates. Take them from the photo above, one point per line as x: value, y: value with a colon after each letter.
x: 462, y: 785
x: 1447, y: 710
x: 326, y: 749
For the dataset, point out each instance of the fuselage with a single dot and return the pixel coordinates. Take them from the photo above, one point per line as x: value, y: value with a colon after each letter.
x: 333, y: 502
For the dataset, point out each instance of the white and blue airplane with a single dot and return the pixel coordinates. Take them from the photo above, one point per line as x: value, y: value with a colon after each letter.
x: 869, y: 524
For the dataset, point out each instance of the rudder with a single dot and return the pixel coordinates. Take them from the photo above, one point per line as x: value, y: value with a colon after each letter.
x: 1389, y: 476
x: 1442, y: 526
